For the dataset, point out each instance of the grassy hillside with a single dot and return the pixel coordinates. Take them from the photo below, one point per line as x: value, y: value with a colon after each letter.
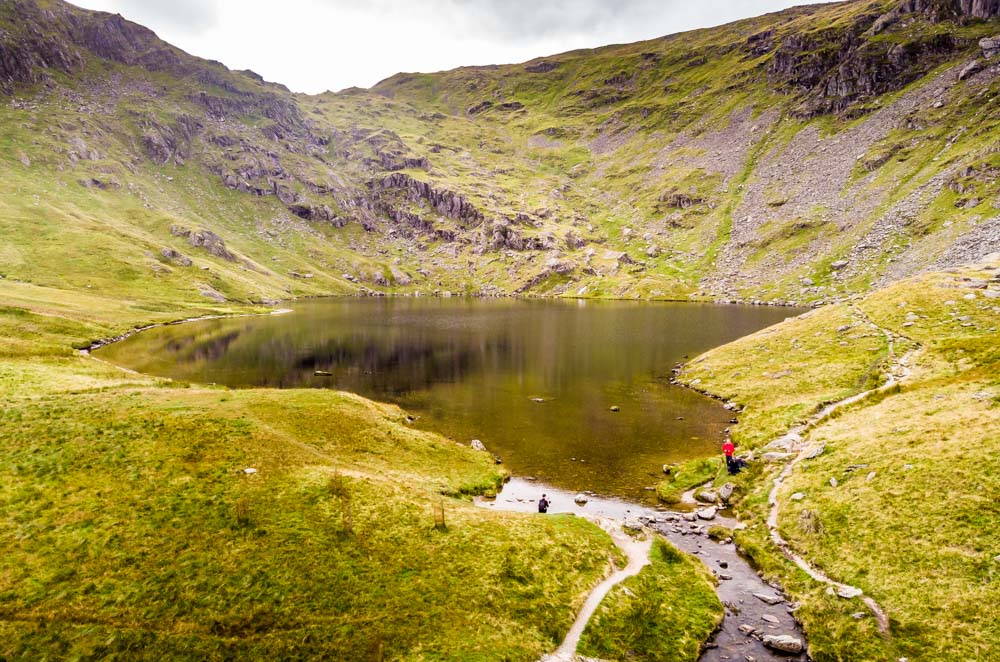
x: 132, y: 529
x: 800, y: 156
x: 902, y: 502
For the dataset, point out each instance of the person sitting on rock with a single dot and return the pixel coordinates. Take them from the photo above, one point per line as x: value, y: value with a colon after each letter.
x: 543, y: 504
x: 728, y: 449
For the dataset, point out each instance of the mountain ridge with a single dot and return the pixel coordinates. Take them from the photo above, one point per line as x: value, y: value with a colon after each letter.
x: 692, y: 166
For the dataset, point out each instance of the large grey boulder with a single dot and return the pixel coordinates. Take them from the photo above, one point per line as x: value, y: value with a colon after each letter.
x: 784, y: 643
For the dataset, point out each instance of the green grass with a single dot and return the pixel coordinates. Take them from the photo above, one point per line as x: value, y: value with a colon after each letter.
x: 130, y: 530
x: 686, y: 476
x: 918, y: 536
x: 664, y: 613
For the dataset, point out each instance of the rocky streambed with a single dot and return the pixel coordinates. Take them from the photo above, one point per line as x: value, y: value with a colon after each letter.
x: 758, y: 621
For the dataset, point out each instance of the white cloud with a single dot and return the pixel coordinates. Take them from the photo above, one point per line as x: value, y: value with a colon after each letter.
x: 315, y: 45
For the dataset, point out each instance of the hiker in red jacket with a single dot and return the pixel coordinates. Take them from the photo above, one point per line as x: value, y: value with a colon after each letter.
x: 728, y: 448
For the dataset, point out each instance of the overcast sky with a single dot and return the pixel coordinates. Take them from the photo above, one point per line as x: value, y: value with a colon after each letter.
x: 317, y: 45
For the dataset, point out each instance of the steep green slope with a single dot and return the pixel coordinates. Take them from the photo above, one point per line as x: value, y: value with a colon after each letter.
x: 803, y: 156
x: 901, y: 499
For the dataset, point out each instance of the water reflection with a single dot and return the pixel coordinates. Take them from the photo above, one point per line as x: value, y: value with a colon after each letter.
x: 534, y: 380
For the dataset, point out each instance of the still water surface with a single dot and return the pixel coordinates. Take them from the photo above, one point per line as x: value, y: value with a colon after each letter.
x: 534, y: 380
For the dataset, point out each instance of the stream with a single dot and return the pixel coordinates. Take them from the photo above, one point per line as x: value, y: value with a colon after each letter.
x: 738, y: 581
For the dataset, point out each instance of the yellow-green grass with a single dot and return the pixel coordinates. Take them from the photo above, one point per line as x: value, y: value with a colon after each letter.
x: 687, y: 475
x: 664, y: 613
x: 919, y: 535
x: 130, y: 529
x: 785, y: 373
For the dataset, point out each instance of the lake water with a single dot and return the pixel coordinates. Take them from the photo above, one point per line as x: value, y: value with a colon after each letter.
x: 534, y: 380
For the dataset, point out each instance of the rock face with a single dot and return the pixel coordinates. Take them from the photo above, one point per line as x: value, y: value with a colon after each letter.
x: 445, y: 203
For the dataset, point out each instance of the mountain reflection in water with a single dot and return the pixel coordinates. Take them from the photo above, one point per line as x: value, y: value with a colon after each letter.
x: 534, y: 380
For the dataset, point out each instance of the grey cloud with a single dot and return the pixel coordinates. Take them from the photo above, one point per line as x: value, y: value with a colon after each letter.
x: 523, y: 21
x: 191, y: 16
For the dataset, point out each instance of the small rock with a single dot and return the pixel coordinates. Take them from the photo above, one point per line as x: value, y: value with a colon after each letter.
x: 747, y: 629
x: 839, y: 264
x: 706, y: 496
x: 707, y: 513
x: 723, y: 576
x: 690, y: 517
x: 858, y: 615
x: 798, y: 496
x: 784, y: 643
x: 726, y: 492
x: 849, y: 592
x: 477, y: 445
x: 815, y: 452
x: 581, y: 499
x: 833, y: 482
x: 870, y: 477
x: 322, y: 373
x: 632, y: 524
x: 907, y: 467
x: 767, y: 618
x: 615, y: 408
x: 970, y: 69
x: 775, y: 457
x: 249, y: 471
x: 769, y: 599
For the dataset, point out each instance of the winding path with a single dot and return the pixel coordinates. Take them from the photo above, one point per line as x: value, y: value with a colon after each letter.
x: 899, y: 371
x: 637, y: 550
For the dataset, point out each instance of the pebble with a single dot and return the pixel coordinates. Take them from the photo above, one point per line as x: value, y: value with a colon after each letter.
x: 833, y: 482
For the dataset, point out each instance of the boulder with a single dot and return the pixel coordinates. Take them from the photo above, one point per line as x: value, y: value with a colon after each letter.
x: 726, y: 492
x: 990, y: 46
x: 769, y: 599
x: 581, y: 499
x: 784, y: 643
x: 176, y: 257
x: 815, y: 452
x: 706, y: 496
x: 970, y: 69
x: 707, y: 513
x: 632, y: 524
x: 477, y: 445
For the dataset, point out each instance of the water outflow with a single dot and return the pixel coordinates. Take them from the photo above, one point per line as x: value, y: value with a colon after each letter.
x: 748, y: 618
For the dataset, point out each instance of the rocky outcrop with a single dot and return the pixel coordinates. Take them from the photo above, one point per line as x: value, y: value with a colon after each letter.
x: 990, y: 46
x: 205, y: 239
x: 446, y: 203
x: 942, y: 10
x: 502, y: 235
x: 311, y: 212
